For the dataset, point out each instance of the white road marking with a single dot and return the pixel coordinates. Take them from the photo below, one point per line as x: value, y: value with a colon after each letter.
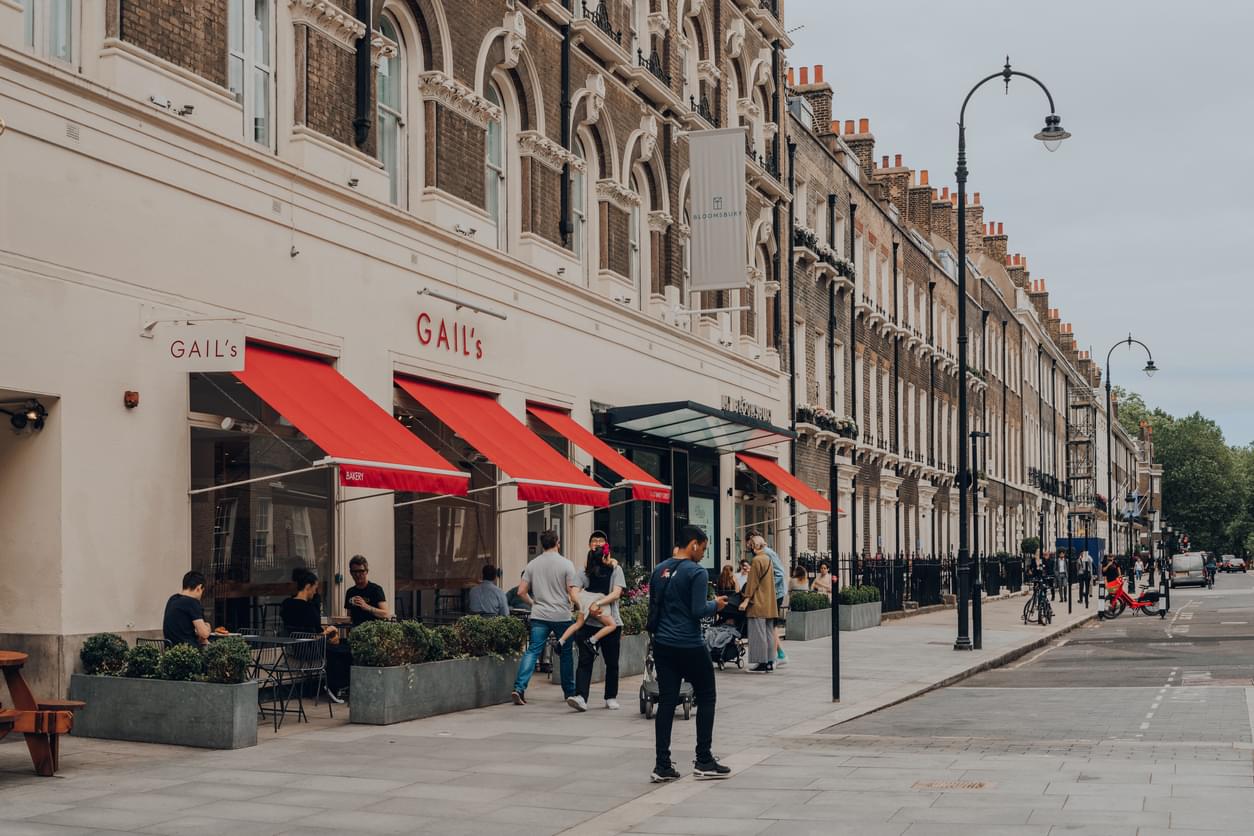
x: 1232, y: 623
x: 1144, y: 726
x: 1249, y: 708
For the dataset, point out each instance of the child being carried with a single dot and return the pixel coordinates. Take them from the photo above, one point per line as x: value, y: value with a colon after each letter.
x: 587, y: 600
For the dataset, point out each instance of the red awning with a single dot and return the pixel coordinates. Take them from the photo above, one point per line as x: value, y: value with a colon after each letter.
x: 369, y: 447
x: 540, y: 472
x: 786, y: 482
x: 643, y: 486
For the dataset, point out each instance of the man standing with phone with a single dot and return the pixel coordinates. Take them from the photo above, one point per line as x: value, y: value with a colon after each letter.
x: 677, y: 603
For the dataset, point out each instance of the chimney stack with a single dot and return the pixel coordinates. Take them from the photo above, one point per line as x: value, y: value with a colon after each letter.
x: 819, y: 95
x: 975, y: 225
x: 862, y: 144
x: 944, y: 217
x: 919, y: 203
x: 995, y: 242
x: 1017, y: 271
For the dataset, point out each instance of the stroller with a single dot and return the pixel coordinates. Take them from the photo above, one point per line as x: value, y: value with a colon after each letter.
x: 650, y: 693
x: 725, y: 636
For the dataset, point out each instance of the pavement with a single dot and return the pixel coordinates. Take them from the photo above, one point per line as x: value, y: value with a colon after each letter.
x: 803, y: 764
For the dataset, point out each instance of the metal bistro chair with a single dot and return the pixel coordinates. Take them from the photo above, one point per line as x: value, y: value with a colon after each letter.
x: 160, y: 644
x: 307, y: 662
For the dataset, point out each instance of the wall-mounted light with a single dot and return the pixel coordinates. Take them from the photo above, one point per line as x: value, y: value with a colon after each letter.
x: 459, y: 303
x: 30, y: 415
x: 352, y: 182
x: 186, y: 110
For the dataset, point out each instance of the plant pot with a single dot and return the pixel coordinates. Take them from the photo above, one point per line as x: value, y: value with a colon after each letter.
x: 630, y: 660
x: 859, y: 616
x: 813, y: 624
x: 382, y: 696
x: 203, y: 714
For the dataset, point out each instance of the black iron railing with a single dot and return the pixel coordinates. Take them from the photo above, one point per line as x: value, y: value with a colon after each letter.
x: 702, y: 108
x: 771, y: 6
x: 600, y: 18
x: 654, y: 65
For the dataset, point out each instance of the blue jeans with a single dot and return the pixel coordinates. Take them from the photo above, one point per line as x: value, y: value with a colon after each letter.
x: 540, y: 631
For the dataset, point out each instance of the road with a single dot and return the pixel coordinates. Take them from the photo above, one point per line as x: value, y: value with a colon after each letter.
x: 1138, y: 725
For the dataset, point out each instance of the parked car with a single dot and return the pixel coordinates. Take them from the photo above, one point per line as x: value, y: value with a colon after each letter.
x: 1188, y: 568
x: 1232, y: 563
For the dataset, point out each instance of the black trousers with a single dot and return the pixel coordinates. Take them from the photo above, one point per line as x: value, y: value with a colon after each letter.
x: 674, y: 664
x: 1086, y: 584
x: 610, y: 646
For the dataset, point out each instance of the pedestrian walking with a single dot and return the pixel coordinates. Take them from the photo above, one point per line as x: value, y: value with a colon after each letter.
x: 760, y: 605
x: 757, y: 543
x: 1064, y: 580
x: 677, y: 603
x: 551, y: 589
x: 603, y: 576
x: 1139, y: 569
x: 1084, y: 575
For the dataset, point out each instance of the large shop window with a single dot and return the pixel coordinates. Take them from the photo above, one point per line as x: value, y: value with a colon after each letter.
x: 247, y: 539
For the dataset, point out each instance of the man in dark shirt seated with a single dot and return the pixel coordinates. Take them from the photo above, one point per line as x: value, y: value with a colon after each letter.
x: 301, y: 615
x: 364, y: 600
x: 184, y: 621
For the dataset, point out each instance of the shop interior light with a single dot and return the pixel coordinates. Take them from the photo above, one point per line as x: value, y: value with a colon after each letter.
x: 30, y: 414
x: 461, y: 303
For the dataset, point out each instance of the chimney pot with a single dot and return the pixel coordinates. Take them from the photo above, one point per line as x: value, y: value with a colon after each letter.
x: 790, y: 77
x: 805, y: 75
x: 923, y: 177
x: 897, y: 161
x: 884, y: 164
x: 977, y: 198
x: 935, y: 196
x: 1025, y: 266
x: 1009, y: 261
x: 818, y: 73
x: 848, y: 127
x: 864, y: 126
x: 835, y: 126
x: 1001, y: 228
x: 1017, y: 259
x: 945, y: 193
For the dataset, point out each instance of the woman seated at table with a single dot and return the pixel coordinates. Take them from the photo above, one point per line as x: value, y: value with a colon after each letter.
x: 301, y: 615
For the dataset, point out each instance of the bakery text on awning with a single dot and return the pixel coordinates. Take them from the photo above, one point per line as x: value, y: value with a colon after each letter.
x: 540, y: 472
x: 685, y: 422
x: 368, y: 447
x: 786, y: 482
x: 643, y: 486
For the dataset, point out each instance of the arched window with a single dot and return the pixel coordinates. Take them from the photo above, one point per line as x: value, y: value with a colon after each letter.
x: 579, y: 207
x: 639, y: 25
x: 48, y: 27
x: 638, y: 240
x: 494, y: 167
x: 391, y: 107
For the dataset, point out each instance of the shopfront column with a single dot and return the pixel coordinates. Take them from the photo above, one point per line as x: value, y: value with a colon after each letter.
x: 927, y: 496
x: 845, y: 501
x: 890, y: 485
x: 511, y: 516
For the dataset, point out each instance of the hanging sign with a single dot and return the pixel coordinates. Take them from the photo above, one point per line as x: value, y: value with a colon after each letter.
x: 211, y: 347
x: 716, y: 162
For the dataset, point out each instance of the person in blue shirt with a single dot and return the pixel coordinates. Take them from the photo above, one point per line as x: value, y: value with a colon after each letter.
x: 677, y: 603
x: 757, y: 544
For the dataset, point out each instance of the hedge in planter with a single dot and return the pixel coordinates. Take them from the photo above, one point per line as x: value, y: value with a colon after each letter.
x: 859, y: 607
x: 809, y: 616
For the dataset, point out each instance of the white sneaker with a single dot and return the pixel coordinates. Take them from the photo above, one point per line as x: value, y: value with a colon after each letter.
x: 612, y: 705
x: 577, y: 702
x: 331, y: 696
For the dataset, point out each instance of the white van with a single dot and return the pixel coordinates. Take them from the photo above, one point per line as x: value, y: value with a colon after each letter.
x: 1188, y: 568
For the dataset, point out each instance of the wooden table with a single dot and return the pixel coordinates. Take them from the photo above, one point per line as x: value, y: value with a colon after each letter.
x: 41, y: 723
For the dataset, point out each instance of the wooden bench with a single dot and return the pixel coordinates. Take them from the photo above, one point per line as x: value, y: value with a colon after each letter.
x: 42, y: 722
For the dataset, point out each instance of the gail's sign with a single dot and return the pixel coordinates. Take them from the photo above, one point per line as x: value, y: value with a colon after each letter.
x: 449, y: 335
x: 217, y: 347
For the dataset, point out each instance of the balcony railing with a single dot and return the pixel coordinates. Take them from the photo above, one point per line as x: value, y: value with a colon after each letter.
x: 764, y: 161
x: 702, y: 108
x: 600, y: 17
x: 771, y: 6
x: 654, y: 65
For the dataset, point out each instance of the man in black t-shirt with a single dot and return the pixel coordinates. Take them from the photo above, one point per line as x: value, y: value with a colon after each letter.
x: 364, y: 600
x: 184, y: 621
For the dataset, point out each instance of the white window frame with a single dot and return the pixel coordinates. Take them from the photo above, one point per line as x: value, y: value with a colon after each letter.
x: 394, y: 112
x: 39, y: 27
x: 638, y: 28
x: 245, y: 57
x: 582, y: 202
x: 820, y: 369
x: 496, y: 166
x: 637, y: 246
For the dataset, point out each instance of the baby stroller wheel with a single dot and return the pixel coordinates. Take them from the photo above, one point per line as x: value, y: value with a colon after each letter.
x: 649, y: 711
x: 643, y: 702
x: 687, y: 710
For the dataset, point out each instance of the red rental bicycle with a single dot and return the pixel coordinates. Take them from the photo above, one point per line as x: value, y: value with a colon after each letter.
x: 1119, y: 600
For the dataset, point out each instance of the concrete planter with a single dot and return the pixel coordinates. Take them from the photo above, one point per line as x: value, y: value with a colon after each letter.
x: 815, y: 624
x: 859, y: 616
x: 381, y: 696
x: 202, y: 714
x: 630, y: 660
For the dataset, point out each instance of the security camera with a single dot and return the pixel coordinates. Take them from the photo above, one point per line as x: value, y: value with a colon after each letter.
x: 186, y: 110
x: 352, y: 182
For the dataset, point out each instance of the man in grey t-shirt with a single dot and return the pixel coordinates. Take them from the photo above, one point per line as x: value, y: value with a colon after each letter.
x: 603, y: 576
x: 549, y: 585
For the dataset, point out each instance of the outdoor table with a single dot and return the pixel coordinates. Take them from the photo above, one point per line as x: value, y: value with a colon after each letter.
x: 41, y: 725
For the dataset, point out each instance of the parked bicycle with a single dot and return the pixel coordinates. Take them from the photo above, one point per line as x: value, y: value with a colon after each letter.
x: 1037, y: 608
x: 1118, y: 600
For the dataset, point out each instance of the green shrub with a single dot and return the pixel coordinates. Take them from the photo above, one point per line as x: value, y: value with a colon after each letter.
x: 859, y: 595
x: 809, y: 601
x: 635, y: 617
x: 104, y: 654
x: 141, y: 662
x: 509, y: 635
x: 380, y: 644
x: 474, y: 635
x: 423, y: 644
x: 181, y: 663
x: 228, y: 660
x: 449, y: 643
x: 1030, y: 545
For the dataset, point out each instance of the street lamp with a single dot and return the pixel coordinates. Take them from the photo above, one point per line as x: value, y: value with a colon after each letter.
x: 1051, y: 135
x: 977, y: 589
x: 1149, y: 370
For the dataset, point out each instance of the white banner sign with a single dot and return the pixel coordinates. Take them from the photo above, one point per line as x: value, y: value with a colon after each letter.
x: 716, y: 160
x: 213, y: 347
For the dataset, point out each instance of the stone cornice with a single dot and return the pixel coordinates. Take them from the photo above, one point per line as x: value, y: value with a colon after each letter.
x: 457, y: 97
x: 327, y: 18
x: 659, y: 221
x: 547, y: 152
x: 382, y: 47
x: 617, y: 195
x: 659, y: 24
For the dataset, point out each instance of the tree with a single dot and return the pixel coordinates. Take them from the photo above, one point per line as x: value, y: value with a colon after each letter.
x: 1203, y: 489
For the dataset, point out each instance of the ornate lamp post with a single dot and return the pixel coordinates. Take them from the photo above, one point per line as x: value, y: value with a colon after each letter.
x: 1149, y: 370
x: 1051, y: 135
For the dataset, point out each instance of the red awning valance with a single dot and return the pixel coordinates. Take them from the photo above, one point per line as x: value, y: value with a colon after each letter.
x: 643, y: 486
x: 369, y: 447
x: 540, y: 472
x: 786, y: 482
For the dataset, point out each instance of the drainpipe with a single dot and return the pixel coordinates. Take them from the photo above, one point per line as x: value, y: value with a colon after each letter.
x: 565, y: 226
x: 1005, y: 444
x: 855, y: 548
x: 777, y: 60
x: 362, y: 120
x: 833, y: 519
x: 896, y: 400
x: 792, y: 347
x: 931, y: 399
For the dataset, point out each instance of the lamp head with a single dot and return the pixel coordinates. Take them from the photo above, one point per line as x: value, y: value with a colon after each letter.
x: 1150, y: 368
x: 1052, y: 134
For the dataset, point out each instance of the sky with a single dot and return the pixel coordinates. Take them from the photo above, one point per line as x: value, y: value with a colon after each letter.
x: 1141, y: 221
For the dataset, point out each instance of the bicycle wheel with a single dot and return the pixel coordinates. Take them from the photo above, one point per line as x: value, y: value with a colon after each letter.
x: 1029, y: 610
x: 1149, y: 609
x: 1047, y: 614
